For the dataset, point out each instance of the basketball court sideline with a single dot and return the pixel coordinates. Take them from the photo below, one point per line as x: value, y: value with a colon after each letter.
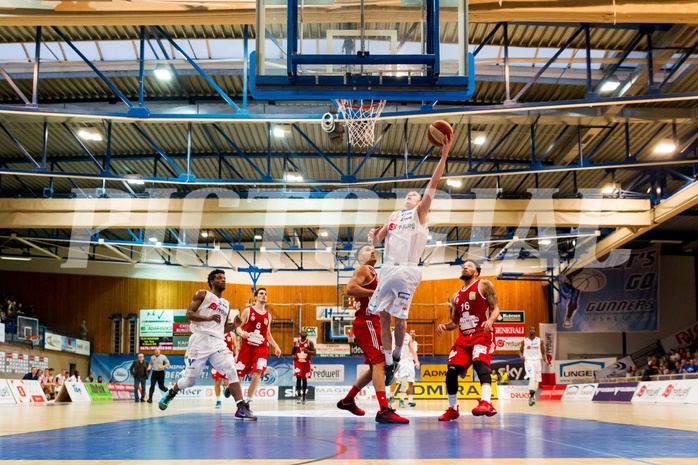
x: 286, y: 433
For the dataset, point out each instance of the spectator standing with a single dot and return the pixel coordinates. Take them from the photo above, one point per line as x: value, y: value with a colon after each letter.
x: 83, y: 330
x: 139, y: 371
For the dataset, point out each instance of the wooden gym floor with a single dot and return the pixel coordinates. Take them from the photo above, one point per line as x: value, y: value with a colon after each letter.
x: 286, y: 433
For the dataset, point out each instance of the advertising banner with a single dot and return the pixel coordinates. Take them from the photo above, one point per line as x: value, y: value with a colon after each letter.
x: 328, y: 373
x: 82, y: 347
x: 332, y: 350
x: 615, y: 299
x: 548, y: 334
x: 649, y: 391
x: 577, y: 392
x: 98, y: 392
x: 120, y: 391
x: 619, y: 369
x: 680, y: 338
x: 289, y: 393
x: 552, y: 392
x: 53, y: 341
x: 678, y: 391
x: 468, y: 390
x: 26, y: 391
x: 568, y: 371
x: 76, y: 390
x: 2, y: 332
x: 616, y: 392
x: 6, y: 396
x: 510, y: 392
x: 509, y: 336
x: 511, y: 316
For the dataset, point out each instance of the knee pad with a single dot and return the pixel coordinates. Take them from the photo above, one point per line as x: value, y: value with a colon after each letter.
x: 452, y: 379
x: 483, y: 372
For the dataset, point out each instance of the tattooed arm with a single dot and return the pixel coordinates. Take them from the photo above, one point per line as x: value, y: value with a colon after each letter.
x: 487, y: 290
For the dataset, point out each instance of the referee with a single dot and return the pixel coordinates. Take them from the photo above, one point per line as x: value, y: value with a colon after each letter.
x: 158, y: 363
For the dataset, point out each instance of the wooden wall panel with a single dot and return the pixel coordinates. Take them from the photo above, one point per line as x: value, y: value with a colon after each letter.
x: 62, y: 301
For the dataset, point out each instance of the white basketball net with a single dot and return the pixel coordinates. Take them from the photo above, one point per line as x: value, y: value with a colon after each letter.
x: 361, y: 117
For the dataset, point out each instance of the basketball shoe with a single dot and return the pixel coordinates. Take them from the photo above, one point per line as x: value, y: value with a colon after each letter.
x: 388, y: 415
x: 244, y: 412
x: 218, y: 404
x: 484, y: 408
x: 165, y: 401
x: 226, y: 393
x: 350, y: 407
x: 531, y: 401
x: 390, y: 371
x: 402, y: 403
x: 450, y: 414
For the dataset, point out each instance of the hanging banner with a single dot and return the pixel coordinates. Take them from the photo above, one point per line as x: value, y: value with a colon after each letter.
x: 616, y: 299
x: 616, y: 370
x: 680, y: 338
x: 548, y: 333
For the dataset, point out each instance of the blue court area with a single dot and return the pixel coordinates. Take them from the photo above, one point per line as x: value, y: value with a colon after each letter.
x: 197, y: 436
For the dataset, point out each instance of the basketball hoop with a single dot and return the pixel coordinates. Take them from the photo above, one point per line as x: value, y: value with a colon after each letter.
x: 349, y: 332
x: 34, y: 339
x: 361, y: 119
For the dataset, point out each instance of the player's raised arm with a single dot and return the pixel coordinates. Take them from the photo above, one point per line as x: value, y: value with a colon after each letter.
x: 452, y: 324
x: 425, y: 204
x: 487, y: 290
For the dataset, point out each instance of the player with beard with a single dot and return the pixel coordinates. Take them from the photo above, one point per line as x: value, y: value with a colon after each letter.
x: 474, y: 310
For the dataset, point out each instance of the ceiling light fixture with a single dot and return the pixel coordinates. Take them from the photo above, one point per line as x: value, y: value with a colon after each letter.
x: 609, y: 86
x: 454, y: 182
x: 257, y: 237
x: 278, y: 131
x: 162, y: 72
x: 665, y: 148
x: 152, y: 239
x: 15, y: 258
x: 294, y: 177
x: 90, y: 134
x: 479, y: 140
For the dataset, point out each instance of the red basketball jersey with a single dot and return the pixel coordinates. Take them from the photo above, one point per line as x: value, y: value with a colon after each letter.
x: 257, y: 327
x: 229, y: 340
x: 361, y: 303
x: 472, y: 309
x: 302, y: 356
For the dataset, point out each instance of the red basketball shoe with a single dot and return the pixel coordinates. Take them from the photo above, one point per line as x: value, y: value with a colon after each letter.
x: 484, y: 408
x: 388, y: 415
x: 450, y: 414
x: 351, y: 407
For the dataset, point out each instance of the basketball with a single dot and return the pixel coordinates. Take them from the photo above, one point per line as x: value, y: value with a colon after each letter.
x: 438, y: 131
x: 589, y: 280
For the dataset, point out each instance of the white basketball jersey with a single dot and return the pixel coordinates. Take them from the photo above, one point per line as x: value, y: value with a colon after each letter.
x: 210, y: 306
x: 532, y: 349
x: 406, y: 353
x: 406, y: 238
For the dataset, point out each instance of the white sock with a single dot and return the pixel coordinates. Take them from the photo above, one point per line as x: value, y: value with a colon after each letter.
x: 388, y: 357
x: 409, y: 398
x: 486, y: 392
x: 218, y: 397
x: 453, y: 400
x: 248, y: 400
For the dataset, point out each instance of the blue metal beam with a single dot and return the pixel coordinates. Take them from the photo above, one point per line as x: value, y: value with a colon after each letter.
x: 239, y: 151
x: 169, y: 161
x: 14, y: 86
x: 203, y: 73
x: 99, y: 74
x: 496, y: 146
x: 317, y: 149
x: 27, y: 155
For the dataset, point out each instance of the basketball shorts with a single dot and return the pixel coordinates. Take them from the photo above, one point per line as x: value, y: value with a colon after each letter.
x: 467, y: 349
x: 302, y: 369
x: 396, y: 286
x: 206, y: 348
x: 405, y: 371
x: 534, y: 370
x: 252, y: 359
x: 367, y: 334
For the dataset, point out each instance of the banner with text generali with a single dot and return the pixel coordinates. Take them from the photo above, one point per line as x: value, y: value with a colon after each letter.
x: 548, y: 333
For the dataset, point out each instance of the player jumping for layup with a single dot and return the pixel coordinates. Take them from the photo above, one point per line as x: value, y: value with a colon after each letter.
x: 405, y: 234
